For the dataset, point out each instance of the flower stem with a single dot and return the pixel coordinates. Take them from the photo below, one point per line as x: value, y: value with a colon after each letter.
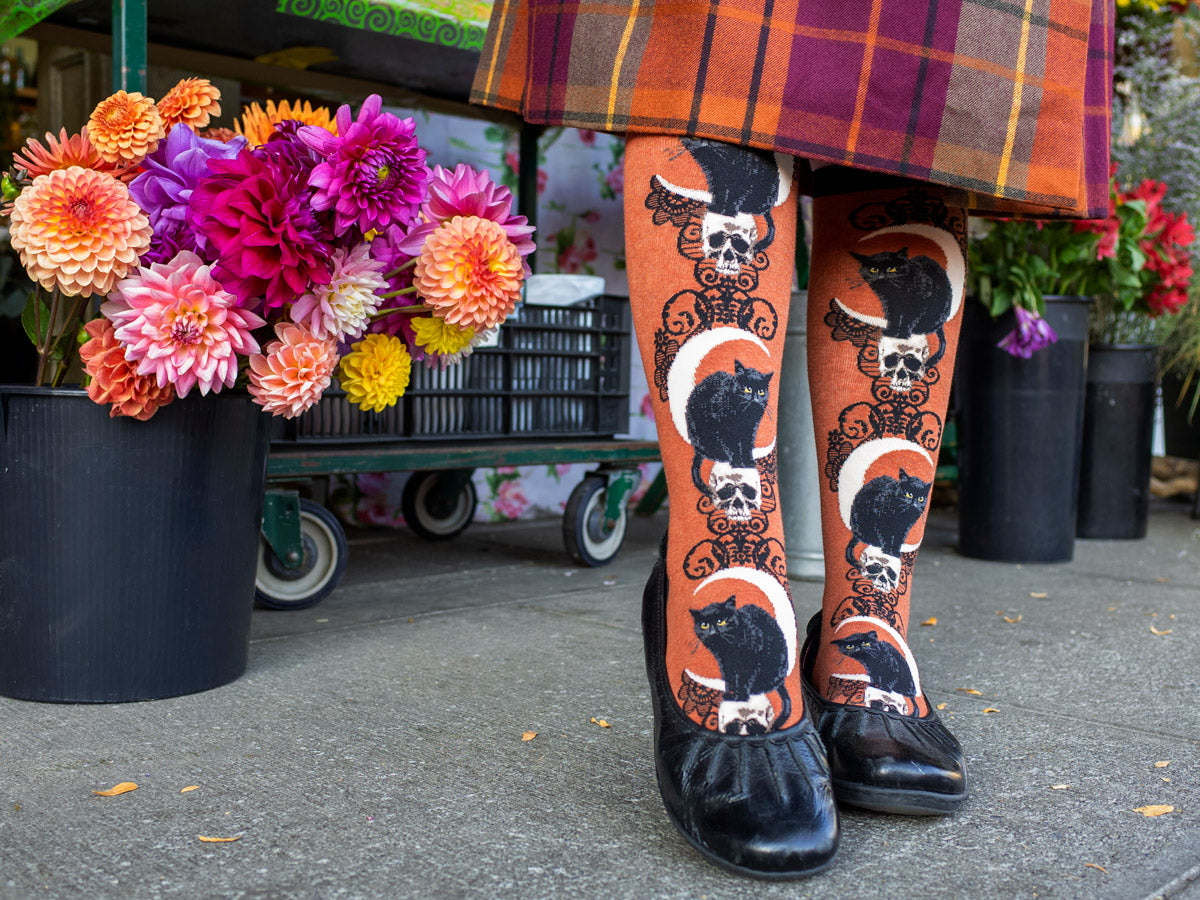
x: 400, y: 268
x: 416, y: 308
x: 411, y: 289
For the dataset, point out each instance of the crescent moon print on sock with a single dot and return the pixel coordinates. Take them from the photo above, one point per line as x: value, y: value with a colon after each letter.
x: 880, y: 513
x: 719, y: 417
x: 755, y: 650
x: 742, y: 183
x: 918, y: 296
x: 891, y: 681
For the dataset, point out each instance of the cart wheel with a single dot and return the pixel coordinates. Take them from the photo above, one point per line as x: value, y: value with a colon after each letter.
x: 325, y: 551
x: 588, y: 541
x: 432, y: 516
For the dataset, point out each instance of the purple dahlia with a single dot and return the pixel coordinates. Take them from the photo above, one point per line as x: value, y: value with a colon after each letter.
x: 165, y: 186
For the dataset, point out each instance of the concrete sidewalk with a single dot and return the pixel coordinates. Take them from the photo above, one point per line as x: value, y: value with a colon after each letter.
x: 374, y: 750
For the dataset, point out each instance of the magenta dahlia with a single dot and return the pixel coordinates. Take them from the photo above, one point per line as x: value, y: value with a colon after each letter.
x: 372, y: 173
x: 255, y: 219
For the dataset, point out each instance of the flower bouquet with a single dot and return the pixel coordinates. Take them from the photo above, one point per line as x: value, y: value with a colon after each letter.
x: 1134, y: 264
x: 169, y: 258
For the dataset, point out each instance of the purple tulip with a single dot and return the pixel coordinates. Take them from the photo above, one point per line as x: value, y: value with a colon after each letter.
x: 1031, y: 334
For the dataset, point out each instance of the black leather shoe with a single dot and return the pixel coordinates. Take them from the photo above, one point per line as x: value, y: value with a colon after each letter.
x: 759, y: 805
x: 882, y: 760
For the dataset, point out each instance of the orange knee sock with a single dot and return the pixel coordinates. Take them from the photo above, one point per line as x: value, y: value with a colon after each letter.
x: 710, y: 238
x: 885, y: 306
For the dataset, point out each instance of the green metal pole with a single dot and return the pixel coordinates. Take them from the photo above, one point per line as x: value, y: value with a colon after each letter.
x: 129, y: 45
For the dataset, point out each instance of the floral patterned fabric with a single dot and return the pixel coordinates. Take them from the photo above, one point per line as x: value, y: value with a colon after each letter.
x: 580, y: 231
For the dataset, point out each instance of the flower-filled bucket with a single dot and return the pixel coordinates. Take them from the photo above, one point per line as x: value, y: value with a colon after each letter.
x: 127, y: 548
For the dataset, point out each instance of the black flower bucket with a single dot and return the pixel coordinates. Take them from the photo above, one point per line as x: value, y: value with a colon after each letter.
x: 127, y: 549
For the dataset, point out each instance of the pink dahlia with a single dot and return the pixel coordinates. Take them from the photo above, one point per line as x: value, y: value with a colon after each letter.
x: 255, y: 219
x: 372, y: 172
x: 343, y: 308
x: 181, y: 326
x: 467, y: 192
x: 470, y: 272
x: 292, y: 372
x: 78, y: 230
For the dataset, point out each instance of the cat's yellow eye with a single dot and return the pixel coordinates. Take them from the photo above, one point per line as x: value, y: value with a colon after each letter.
x: 908, y: 495
x: 704, y: 626
x: 721, y: 623
x: 874, y: 268
x: 761, y: 392
x: 748, y: 390
x: 891, y: 268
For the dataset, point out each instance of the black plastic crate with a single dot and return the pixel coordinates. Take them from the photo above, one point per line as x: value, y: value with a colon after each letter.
x: 558, y: 371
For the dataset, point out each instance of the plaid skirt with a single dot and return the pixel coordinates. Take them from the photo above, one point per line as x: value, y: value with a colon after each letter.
x: 1009, y: 100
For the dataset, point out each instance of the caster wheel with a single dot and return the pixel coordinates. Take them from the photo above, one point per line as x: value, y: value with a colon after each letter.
x: 432, y: 515
x: 587, y: 539
x: 325, y: 551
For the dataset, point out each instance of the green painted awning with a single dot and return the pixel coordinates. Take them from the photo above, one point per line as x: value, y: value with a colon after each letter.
x: 426, y: 47
x: 451, y: 23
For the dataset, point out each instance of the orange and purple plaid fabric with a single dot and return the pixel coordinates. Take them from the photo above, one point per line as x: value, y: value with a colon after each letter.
x: 1008, y: 99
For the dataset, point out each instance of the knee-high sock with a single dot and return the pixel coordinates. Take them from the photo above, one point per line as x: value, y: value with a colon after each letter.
x: 710, y: 238
x: 885, y: 307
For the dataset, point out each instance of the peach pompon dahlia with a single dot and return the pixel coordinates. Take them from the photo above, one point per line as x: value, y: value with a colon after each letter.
x: 115, y: 379
x: 292, y: 372
x: 78, y: 230
x: 178, y: 323
x: 125, y: 127
x: 376, y: 371
x: 192, y: 102
x: 258, y: 126
x: 470, y: 272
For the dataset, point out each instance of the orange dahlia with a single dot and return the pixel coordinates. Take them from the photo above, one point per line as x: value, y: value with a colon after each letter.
x: 125, y: 127
x: 193, y: 102
x: 78, y: 230
x: 470, y: 272
x: 66, y: 151
x: 115, y: 380
x: 258, y: 126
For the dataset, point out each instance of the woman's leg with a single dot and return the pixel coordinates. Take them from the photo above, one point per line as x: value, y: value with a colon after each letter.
x: 710, y: 231
x: 885, y: 307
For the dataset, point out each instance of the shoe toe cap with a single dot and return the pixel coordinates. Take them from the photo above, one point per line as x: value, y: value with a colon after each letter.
x: 761, y: 806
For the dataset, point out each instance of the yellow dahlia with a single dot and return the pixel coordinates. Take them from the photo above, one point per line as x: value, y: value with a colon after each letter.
x: 470, y: 272
x: 437, y: 336
x: 193, y: 102
x: 115, y: 380
x: 258, y: 126
x: 375, y: 373
x: 78, y: 230
x: 125, y: 127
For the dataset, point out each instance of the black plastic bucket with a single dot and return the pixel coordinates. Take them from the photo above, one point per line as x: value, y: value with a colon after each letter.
x: 1118, y: 441
x: 127, y: 549
x: 1020, y: 430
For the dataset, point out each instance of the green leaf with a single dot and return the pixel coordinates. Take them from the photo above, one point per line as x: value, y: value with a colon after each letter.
x: 29, y: 319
